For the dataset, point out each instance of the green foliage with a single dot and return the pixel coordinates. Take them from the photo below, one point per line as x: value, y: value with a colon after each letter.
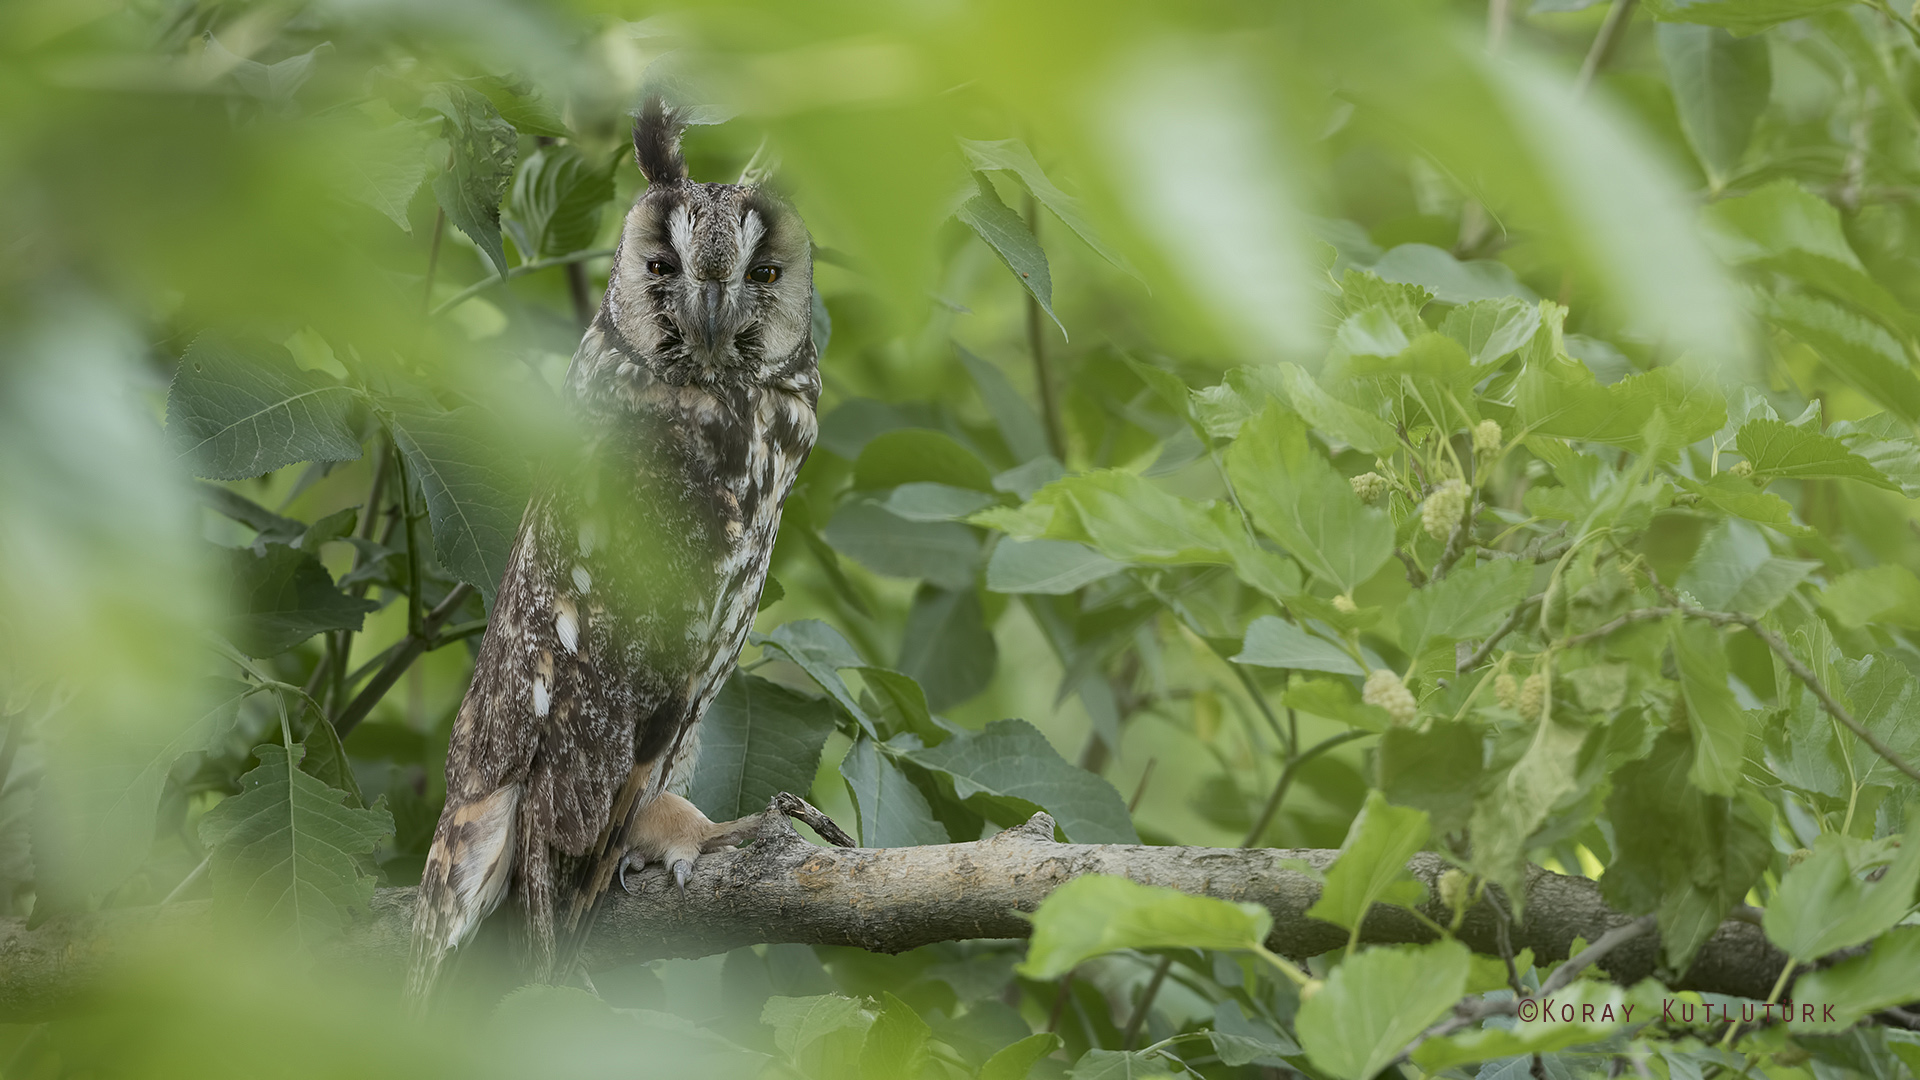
x: 1434, y: 433
x: 288, y: 848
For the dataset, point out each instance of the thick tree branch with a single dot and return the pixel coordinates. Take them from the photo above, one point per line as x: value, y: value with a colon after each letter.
x: 782, y: 889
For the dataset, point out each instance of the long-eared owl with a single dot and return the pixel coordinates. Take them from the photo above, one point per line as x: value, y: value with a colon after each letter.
x: 637, y: 569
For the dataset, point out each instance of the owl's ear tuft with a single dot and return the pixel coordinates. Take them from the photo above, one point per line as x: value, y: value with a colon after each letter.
x: 656, y: 142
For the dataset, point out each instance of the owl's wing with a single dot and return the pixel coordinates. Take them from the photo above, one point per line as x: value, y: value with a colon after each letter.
x: 533, y: 759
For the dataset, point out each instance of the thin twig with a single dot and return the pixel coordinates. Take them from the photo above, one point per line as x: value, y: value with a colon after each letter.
x: 433, y: 262
x: 1152, y: 991
x: 403, y: 657
x: 1603, y: 43
x: 1286, y: 780
x: 522, y: 270
x: 1565, y: 974
x: 1486, y: 647
x: 1780, y: 648
x: 1037, y: 345
x: 193, y: 875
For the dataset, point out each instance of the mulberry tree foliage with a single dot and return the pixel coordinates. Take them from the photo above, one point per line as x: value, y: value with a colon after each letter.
x: 1485, y: 430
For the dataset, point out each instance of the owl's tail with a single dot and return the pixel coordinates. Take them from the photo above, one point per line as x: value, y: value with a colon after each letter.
x: 468, y: 870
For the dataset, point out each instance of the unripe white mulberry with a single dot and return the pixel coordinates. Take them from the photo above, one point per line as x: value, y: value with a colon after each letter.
x: 1741, y: 469
x: 1455, y: 889
x: 1370, y: 486
x: 1385, y: 690
x: 1344, y: 604
x: 1506, y: 690
x: 1444, y: 509
x: 1487, y: 437
x: 1533, y: 696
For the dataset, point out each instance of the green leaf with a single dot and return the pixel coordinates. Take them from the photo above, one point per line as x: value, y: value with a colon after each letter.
x: 757, y: 740
x: 1598, y: 1010
x: 1779, y: 449
x: 1888, y: 593
x: 94, y: 814
x: 947, y: 646
x: 1048, y: 567
x: 387, y: 167
x: 289, y: 851
x: 820, y: 651
x: 893, y: 812
x: 237, y: 411
x: 1862, y: 353
x: 1119, y: 1065
x: 926, y: 501
x: 554, y: 208
x: 1327, y: 414
x: 1680, y: 853
x: 327, y: 761
x: 1013, y: 156
x: 1240, y: 1041
x: 1374, y: 1004
x: 1127, y: 518
x: 1739, y: 16
x: 798, y: 1022
x: 474, y: 489
x: 1492, y: 330
x: 1784, y: 228
x: 1720, y: 86
x: 942, y: 553
x: 1273, y: 642
x: 1372, y: 864
x: 1468, y: 603
x: 1561, y: 397
x: 1010, y: 239
x: 484, y: 148
x: 1019, y: 424
x: 1889, y: 975
x: 896, y: 1046
x: 1822, y: 904
x: 1735, y: 570
x: 1718, y: 725
x: 1436, y: 770
x: 1509, y: 810
x: 1008, y: 770
x: 905, y: 455
x: 1294, y: 495
x: 521, y: 105
x: 1096, y: 913
x: 1447, y: 278
x: 1015, y: 1060
x: 283, y: 596
x: 1737, y: 496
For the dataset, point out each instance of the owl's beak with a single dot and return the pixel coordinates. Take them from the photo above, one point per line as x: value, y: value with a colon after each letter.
x: 713, y: 296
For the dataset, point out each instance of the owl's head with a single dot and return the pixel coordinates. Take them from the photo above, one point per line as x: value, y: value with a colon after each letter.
x: 711, y: 282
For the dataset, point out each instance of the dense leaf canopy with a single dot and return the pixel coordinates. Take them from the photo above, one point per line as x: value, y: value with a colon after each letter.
x: 1490, y: 430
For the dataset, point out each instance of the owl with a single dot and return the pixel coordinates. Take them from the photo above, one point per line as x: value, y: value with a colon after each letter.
x: 637, y: 569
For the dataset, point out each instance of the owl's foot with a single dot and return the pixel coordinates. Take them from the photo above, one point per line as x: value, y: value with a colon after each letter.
x: 673, y: 832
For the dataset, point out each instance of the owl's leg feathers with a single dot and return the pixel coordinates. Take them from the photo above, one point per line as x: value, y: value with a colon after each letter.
x: 673, y: 832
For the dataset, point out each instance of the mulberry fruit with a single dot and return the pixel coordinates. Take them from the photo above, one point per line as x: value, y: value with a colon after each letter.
x: 1487, y: 437
x: 1506, y: 691
x: 1370, y: 486
x: 1344, y: 604
x: 1741, y: 469
x: 1533, y: 696
x: 1444, y: 509
x: 1455, y: 889
x: 1385, y: 689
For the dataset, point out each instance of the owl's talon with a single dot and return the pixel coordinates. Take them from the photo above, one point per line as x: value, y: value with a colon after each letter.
x: 626, y: 863
x: 682, y: 870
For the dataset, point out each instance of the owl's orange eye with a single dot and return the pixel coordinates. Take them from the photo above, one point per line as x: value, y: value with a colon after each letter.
x: 661, y: 268
x: 764, y: 275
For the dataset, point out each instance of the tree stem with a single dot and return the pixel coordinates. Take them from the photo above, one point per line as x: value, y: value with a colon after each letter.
x: 1037, y: 346
x: 1603, y: 44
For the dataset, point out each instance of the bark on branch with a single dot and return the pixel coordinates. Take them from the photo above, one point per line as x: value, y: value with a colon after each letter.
x: 784, y: 890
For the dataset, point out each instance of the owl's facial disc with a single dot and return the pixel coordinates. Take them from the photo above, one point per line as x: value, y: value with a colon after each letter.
x: 715, y: 278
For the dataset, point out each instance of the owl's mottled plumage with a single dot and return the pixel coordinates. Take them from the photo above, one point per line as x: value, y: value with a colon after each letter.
x: 638, y: 567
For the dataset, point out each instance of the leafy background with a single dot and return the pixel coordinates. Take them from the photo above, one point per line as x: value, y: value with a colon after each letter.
x: 1380, y: 425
